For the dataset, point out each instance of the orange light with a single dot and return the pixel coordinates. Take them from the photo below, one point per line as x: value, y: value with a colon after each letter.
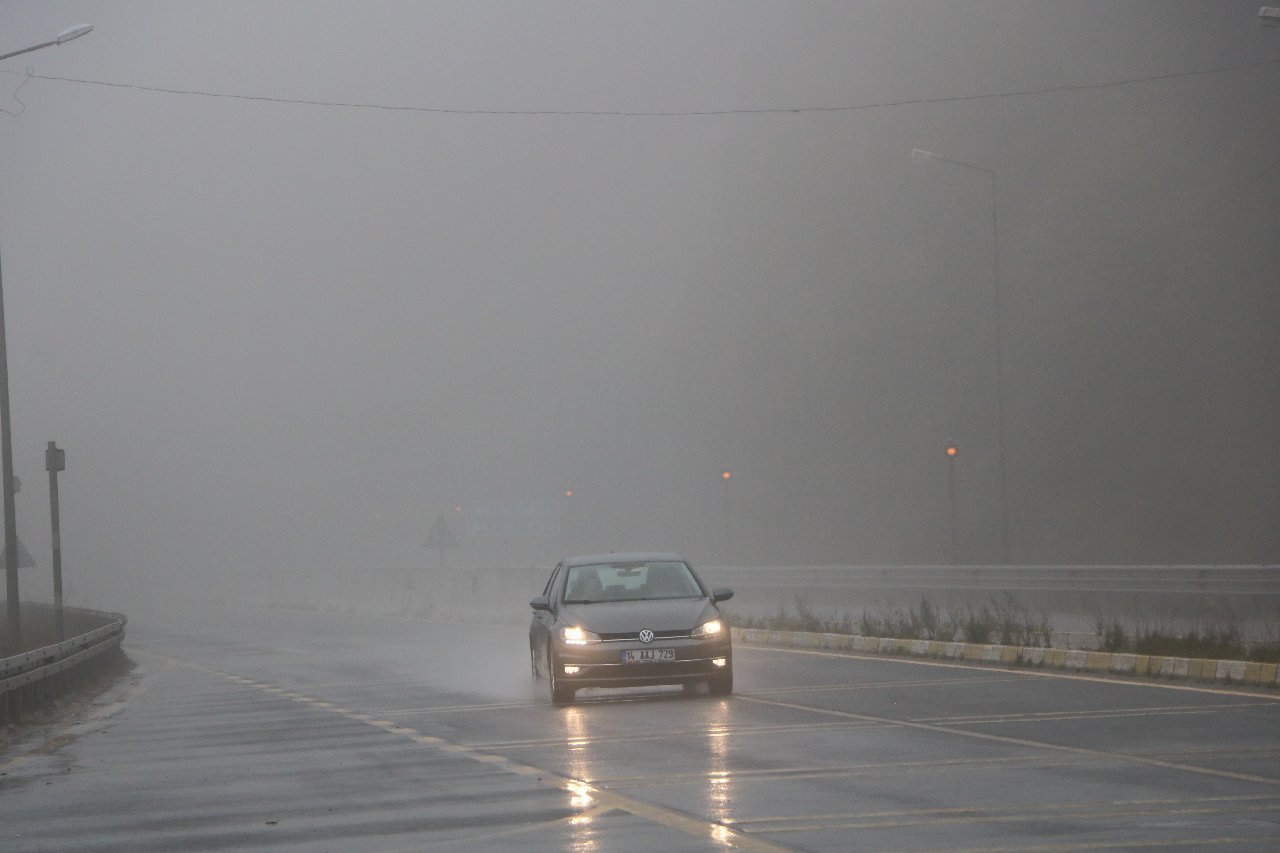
x: 726, y: 475
x: 568, y: 493
x: 952, y: 450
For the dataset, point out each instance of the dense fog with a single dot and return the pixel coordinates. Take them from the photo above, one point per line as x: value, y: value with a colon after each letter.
x: 290, y: 281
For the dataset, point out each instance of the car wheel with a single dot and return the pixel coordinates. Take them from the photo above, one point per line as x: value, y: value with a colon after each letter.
x: 721, y: 684
x: 561, y: 693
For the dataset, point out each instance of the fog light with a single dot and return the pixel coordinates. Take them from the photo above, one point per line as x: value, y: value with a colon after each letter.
x: 573, y: 670
x: 719, y: 661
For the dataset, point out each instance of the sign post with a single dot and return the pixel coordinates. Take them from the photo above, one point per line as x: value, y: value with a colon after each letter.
x: 441, y: 537
x: 55, y: 460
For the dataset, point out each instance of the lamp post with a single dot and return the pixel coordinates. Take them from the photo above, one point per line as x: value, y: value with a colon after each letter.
x: 952, y: 452
x: 927, y: 156
x: 568, y: 520
x: 13, y: 614
x: 728, y: 538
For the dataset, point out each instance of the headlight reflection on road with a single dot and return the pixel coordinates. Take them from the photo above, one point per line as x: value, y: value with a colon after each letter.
x: 585, y: 838
x: 580, y: 796
x: 576, y: 738
x: 719, y: 777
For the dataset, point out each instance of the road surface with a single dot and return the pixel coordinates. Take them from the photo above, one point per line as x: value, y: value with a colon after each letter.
x: 284, y: 730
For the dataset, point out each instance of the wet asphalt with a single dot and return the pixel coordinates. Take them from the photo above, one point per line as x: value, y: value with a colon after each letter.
x: 285, y: 730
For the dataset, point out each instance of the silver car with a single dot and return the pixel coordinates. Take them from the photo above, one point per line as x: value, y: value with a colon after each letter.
x: 625, y: 620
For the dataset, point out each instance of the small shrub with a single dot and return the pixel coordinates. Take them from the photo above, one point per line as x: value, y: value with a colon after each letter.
x: 1221, y: 643
x: 925, y: 624
x: 1112, y: 637
x: 1265, y: 652
x: 978, y: 627
x: 868, y: 625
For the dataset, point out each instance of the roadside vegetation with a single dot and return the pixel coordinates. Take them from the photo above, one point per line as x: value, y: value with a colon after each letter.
x: 1007, y: 622
x: 1215, y: 641
x: 1002, y: 620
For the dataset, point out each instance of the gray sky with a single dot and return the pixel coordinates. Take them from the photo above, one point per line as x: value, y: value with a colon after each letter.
x: 284, y: 334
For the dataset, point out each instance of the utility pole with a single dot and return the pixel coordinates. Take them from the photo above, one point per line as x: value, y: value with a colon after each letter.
x: 13, y: 613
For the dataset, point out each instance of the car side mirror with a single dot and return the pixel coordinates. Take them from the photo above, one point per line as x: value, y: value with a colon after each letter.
x: 721, y: 593
x: 540, y: 603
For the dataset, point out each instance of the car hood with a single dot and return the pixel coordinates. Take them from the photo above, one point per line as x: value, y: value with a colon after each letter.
x: 617, y: 617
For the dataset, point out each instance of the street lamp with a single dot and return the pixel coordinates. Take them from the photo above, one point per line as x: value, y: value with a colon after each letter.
x: 952, y: 452
x: 12, y: 613
x: 728, y: 539
x: 62, y: 38
x: 568, y: 519
x: 927, y: 156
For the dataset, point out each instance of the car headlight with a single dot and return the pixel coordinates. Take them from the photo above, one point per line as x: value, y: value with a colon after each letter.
x: 708, y: 629
x: 572, y: 635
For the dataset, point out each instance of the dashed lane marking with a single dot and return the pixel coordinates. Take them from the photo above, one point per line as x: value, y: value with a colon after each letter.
x: 877, y: 685
x: 787, y: 774
x: 589, y: 740
x: 579, y: 818
x: 584, y: 794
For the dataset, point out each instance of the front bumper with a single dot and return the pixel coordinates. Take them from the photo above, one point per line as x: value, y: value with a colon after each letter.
x: 601, y: 664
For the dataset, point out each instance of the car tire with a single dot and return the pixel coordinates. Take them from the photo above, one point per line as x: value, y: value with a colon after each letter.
x: 561, y: 693
x: 721, y: 684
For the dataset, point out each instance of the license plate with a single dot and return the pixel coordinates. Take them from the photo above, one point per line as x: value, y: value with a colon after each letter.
x: 648, y: 655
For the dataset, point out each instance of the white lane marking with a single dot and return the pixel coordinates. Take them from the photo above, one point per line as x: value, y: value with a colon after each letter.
x: 581, y: 790
x: 464, y: 709
x: 1027, y: 742
x: 585, y: 816
x: 1100, y: 714
x: 587, y: 740
x: 786, y: 774
x: 939, y: 821
x: 877, y: 685
x: 1108, y: 845
x: 1022, y: 811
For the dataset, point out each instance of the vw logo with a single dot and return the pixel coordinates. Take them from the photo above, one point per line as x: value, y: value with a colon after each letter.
x: 646, y: 636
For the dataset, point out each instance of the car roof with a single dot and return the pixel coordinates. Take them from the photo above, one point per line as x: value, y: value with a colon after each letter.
x: 626, y: 557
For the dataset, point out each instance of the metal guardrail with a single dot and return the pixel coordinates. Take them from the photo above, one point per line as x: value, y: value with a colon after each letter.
x: 1168, y: 596
x: 27, y: 671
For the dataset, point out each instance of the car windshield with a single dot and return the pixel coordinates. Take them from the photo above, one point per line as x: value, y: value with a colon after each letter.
x: 630, y: 581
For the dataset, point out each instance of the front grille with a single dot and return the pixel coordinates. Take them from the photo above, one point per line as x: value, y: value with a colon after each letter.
x: 634, y: 636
